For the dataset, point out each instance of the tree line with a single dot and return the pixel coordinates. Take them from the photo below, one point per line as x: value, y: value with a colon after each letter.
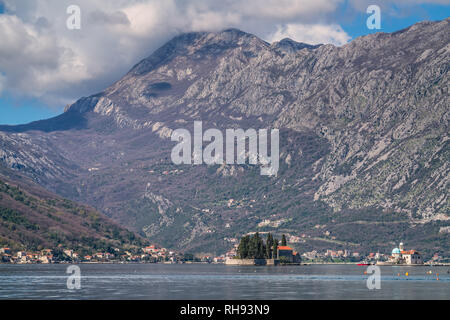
x: 254, y: 247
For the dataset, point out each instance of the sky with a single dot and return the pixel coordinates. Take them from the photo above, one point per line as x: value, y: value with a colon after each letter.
x: 44, y: 65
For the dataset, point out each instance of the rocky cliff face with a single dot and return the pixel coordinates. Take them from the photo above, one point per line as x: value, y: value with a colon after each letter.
x: 364, y: 141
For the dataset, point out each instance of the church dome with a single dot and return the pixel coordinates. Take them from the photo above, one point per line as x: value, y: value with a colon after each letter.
x: 396, y: 251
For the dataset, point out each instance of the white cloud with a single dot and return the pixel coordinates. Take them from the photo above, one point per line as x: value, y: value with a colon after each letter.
x: 2, y: 83
x: 40, y: 57
x: 32, y: 61
x: 287, y: 9
x: 311, y: 34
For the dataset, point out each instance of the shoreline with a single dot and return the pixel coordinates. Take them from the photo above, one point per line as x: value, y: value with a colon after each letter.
x: 214, y: 263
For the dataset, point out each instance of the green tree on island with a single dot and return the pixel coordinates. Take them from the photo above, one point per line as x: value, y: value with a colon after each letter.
x: 256, y: 248
x: 283, y: 240
x: 253, y: 247
x: 243, y: 249
x: 269, y: 246
x: 275, y: 249
x: 261, y: 251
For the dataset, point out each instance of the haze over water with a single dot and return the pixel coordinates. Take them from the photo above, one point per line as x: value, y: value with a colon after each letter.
x: 158, y: 281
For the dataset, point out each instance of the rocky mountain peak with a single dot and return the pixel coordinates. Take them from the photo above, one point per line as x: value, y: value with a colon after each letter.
x: 199, y: 45
x: 288, y: 45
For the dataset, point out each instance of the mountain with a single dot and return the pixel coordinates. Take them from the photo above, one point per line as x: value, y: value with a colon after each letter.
x: 364, y: 143
x: 32, y: 218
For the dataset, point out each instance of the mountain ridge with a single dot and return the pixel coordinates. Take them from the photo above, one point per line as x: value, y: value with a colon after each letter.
x: 364, y: 133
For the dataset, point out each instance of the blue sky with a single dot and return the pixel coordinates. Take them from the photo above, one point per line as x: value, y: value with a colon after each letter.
x: 391, y: 23
x: 24, y: 97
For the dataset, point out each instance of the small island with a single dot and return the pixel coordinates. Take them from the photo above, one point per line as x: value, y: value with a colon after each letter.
x: 252, y: 250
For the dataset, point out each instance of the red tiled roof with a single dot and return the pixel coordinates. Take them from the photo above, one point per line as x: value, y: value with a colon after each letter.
x: 410, y: 252
x: 284, y: 248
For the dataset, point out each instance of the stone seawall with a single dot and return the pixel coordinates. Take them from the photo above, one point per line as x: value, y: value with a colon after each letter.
x: 251, y: 262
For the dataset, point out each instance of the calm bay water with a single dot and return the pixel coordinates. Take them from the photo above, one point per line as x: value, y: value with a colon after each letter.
x: 158, y: 281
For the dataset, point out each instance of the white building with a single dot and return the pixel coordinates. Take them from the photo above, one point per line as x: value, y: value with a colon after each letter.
x: 401, y: 256
x: 412, y: 257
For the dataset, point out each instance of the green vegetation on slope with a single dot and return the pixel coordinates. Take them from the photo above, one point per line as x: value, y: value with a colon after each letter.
x: 34, y: 219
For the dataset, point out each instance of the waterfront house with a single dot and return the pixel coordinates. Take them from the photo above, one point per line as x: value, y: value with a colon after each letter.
x: 5, y: 257
x: 5, y: 250
x: 45, y: 259
x: 68, y: 252
x: 412, y: 257
x: 46, y: 252
x: 99, y: 255
x: 149, y: 249
x: 296, y: 257
x: 285, y: 253
x: 108, y: 256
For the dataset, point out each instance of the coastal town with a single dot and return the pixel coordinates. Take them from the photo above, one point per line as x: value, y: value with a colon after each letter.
x: 149, y: 254
x: 281, y: 253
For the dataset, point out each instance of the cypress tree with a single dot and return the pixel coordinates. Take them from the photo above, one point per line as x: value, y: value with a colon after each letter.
x: 261, y: 250
x: 253, y: 246
x: 275, y: 249
x: 243, y: 249
x: 283, y: 240
x: 269, y: 246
